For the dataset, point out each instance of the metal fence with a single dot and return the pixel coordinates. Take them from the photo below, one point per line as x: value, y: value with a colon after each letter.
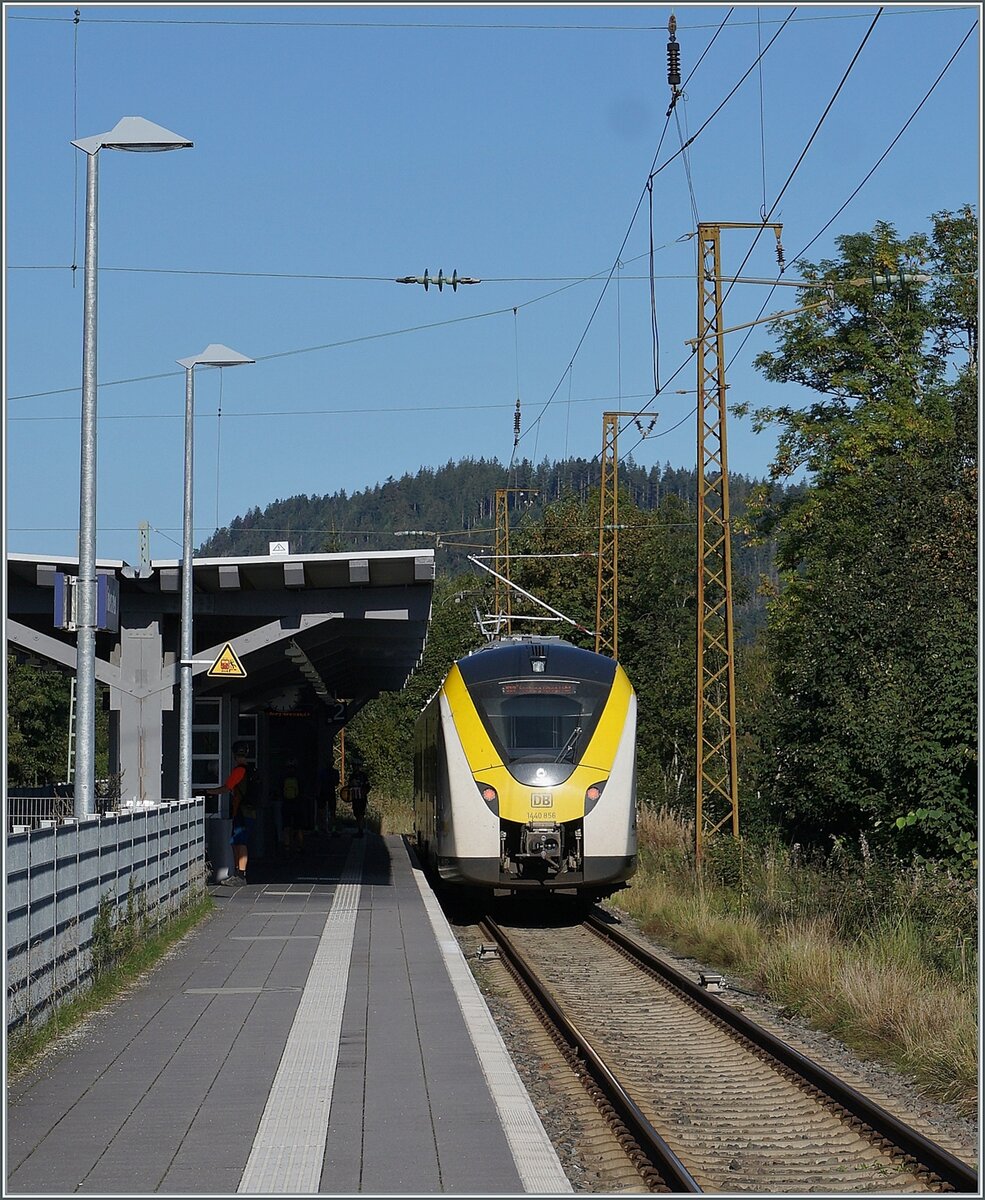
x: 28, y: 808
x: 149, y: 861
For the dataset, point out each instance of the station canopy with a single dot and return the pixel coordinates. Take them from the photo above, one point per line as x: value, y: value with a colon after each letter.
x: 331, y: 629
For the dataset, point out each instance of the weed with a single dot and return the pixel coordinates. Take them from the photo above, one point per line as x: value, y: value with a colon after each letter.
x: 26, y: 1044
x: 389, y: 814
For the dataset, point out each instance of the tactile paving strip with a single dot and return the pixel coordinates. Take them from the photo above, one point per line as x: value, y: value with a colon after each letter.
x: 290, y: 1141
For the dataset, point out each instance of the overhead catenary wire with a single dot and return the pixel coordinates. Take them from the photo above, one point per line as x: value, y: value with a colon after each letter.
x: 796, y: 257
x: 579, y: 279
x: 655, y: 171
x: 888, y: 149
x: 803, y: 154
x: 632, y: 222
x: 474, y: 25
x: 202, y: 272
x: 872, y: 170
x: 685, y: 143
x: 318, y: 412
x: 497, y: 312
x: 798, y: 163
x: 654, y: 327
x: 677, y: 153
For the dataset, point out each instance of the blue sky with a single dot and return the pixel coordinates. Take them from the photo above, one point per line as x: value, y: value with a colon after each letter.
x: 340, y: 147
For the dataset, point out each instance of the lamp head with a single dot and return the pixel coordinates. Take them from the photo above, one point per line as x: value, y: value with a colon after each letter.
x: 134, y: 133
x: 216, y: 355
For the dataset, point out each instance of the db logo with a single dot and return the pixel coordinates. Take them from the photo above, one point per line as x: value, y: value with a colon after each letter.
x: 541, y: 799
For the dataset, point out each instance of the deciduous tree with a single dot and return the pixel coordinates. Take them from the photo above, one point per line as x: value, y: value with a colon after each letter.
x: 872, y: 637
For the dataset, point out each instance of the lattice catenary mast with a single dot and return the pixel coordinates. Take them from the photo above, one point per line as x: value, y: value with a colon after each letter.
x: 717, y: 777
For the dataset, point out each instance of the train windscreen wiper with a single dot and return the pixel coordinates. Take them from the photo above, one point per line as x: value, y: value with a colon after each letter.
x: 568, y: 749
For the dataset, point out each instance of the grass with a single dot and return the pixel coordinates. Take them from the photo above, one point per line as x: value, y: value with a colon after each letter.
x: 881, y: 956
x: 389, y: 814
x: 26, y: 1045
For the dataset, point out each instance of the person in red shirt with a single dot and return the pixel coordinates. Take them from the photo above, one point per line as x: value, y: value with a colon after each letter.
x: 242, y: 808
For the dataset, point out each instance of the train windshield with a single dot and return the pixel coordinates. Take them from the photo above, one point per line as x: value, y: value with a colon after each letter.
x: 537, y: 720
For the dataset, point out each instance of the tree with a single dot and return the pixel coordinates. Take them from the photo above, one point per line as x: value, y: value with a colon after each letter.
x: 382, y: 734
x: 872, y: 636
x: 37, y: 724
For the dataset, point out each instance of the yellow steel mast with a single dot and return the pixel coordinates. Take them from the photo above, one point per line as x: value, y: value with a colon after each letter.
x: 607, y: 587
x: 502, y: 552
x: 503, y: 590
x: 717, y: 777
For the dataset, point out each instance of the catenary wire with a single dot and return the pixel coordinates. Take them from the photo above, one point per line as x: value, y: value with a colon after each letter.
x: 579, y: 279
x: 702, y: 128
x: 856, y: 190
x: 934, y: 10
x: 872, y: 170
x: 655, y: 171
x: 319, y: 412
x: 803, y: 154
x: 605, y: 286
x: 793, y: 172
x: 330, y: 345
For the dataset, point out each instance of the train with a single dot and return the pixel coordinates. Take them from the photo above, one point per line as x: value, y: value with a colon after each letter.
x: 525, y: 772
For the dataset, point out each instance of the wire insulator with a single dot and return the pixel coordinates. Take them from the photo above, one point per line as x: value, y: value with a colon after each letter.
x: 516, y: 423
x: 673, y: 64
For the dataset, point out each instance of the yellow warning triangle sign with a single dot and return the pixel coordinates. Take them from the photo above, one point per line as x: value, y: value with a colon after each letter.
x: 227, y: 665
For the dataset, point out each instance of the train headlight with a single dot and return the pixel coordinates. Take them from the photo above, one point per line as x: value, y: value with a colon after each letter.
x: 593, y: 794
x: 490, y: 796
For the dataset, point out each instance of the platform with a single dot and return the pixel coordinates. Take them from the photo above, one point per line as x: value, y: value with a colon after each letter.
x: 321, y: 1032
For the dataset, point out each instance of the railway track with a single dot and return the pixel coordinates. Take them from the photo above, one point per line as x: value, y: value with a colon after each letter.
x: 700, y: 1097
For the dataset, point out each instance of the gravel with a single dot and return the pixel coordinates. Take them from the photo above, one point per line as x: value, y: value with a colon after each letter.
x: 897, y: 1093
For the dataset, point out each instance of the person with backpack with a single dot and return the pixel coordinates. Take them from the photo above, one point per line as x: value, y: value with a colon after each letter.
x: 295, y: 823
x: 241, y: 786
x: 358, y: 797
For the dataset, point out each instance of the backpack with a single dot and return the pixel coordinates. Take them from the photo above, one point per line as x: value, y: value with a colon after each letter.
x: 291, y: 788
x: 246, y: 791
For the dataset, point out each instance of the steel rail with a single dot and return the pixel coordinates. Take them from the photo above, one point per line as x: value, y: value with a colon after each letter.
x: 951, y: 1170
x: 670, y: 1168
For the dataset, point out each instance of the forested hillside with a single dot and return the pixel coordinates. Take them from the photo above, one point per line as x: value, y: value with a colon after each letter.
x: 453, y: 501
x: 453, y: 509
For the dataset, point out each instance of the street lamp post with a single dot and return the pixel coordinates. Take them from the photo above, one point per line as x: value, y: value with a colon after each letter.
x: 131, y: 133
x: 212, y: 356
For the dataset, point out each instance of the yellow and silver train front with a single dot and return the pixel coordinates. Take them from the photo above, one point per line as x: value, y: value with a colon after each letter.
x: 540, y: 738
